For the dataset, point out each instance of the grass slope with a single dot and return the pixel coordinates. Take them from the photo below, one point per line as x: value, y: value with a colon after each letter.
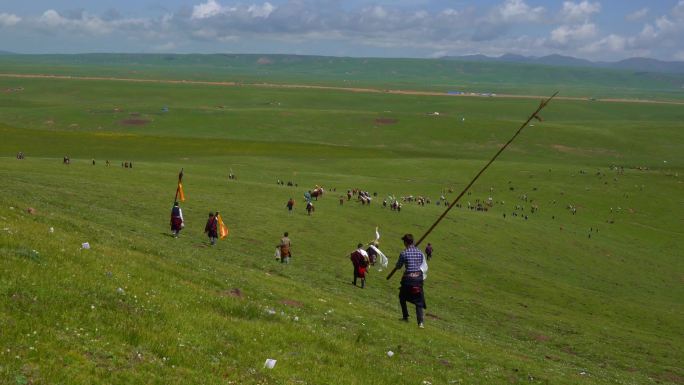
x: 421, y: 74
x: 510, y: 300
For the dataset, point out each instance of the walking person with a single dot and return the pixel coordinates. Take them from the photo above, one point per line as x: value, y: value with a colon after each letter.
x: 411, y: 289
x: 284, y: 246
x: 177, y: 222
x: 211, y: 228
x: 359, y: 259
x: 428, y: 250
x: 290, y: 205
x: 309, y: 208
x: 372, y: 253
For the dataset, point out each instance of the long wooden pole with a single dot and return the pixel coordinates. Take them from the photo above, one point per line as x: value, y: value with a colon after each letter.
x: 533, y: 116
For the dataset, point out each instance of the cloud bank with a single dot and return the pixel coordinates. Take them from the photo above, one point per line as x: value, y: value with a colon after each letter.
x: 381, y: 29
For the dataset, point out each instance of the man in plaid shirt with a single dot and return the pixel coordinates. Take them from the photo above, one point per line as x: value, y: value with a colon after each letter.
x: 411, y: 289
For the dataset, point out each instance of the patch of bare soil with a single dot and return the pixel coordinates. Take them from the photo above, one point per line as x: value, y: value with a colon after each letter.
x: 432, y: 316
x: 292, y: 302
x: 134, y: 122
x: 669, y: 376
x: 583, y: 151
x: 445, y: 363
x: 386, y: 121
x: 264, y: 61
x: 234, y: 292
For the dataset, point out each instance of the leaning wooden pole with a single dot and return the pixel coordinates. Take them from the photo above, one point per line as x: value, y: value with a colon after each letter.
x: 533, y: 116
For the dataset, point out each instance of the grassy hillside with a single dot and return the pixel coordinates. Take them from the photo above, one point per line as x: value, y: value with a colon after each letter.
x: 510, y: 300
x: 421, y: 74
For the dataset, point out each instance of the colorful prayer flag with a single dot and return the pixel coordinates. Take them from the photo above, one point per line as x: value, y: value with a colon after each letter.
x: 223, y: 229
x: 179, y: 189
x: 179, y: 192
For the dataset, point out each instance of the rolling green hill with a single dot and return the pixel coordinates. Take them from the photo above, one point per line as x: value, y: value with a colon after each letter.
x: 595, y: 297
x: 420, y: 74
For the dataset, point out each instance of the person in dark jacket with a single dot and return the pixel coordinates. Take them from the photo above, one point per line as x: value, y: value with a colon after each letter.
x: 359, y: 259
x: 211, y: 228
x: 411, y: 289
x: 177, y: 222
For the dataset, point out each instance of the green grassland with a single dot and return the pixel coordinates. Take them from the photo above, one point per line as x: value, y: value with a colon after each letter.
x: 420, y: 74
x: 509, y: 300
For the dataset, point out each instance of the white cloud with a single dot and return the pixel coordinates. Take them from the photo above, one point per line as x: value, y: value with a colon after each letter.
x: 263, y: 10
x: 165, y: 47
x: 665, y: 31
x: 637, y: 15
x: 213, y: 8
x: 439, y: 54
x: 413, y: 28
x: 519, y: 11
x: 206, y: 10
x: 377, y: 12
x: 611, y: 43
x: 579, y: 11
x: 566, y: 34
x: 9, y: 19
x: 86, y: 22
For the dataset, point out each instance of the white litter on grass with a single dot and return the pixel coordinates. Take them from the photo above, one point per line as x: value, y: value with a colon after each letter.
x: 390, y: 353
x: 270, y: 311
x: 120, y: 291
x: 52, y: 230
x: 270, y: 363
x: 296, y: 319
x: 85, y: 245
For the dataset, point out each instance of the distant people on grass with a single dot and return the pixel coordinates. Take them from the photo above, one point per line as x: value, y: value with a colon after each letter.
x: 211, y: 228
x: 290, y: 205
x: 177, y: 222
x: 360, y: 262
x: 428, y: 251
x: 93, y: 162
x: 310, y: 208
x: 67, y: 160
x: 20, y: 155
x: 284, y: 246
x: 411, y: 289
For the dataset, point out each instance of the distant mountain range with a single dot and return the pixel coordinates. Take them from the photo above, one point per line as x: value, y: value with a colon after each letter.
x: 638, y: 64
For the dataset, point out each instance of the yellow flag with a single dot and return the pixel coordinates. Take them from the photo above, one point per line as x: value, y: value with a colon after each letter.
x: 222, y: 228
x: 179, y: 192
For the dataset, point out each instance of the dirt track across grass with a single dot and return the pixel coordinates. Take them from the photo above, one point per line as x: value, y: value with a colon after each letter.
x: 331, y: 88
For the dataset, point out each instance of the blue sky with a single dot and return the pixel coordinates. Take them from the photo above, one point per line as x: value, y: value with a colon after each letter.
x: 596, y: 30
